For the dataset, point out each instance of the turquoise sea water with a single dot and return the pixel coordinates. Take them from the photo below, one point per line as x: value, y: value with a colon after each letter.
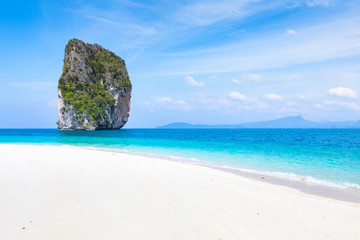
x: 329, y: 156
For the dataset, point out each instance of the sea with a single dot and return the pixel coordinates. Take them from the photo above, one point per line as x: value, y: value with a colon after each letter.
x: 323, y: 156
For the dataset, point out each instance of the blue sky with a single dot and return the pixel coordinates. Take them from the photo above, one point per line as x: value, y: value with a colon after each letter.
x: 196, y: 61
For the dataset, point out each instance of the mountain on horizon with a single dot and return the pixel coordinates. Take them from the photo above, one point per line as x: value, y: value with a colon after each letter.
x: 285, y: 122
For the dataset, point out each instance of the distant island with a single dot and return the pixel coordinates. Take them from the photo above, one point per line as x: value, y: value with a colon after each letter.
x: 94, y: 88
x: 286, y: 122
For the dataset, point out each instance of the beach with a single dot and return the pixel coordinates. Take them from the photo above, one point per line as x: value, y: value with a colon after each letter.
x: 62, y: 192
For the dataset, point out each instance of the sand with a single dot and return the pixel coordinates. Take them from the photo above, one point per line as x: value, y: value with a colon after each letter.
x: 53, y: 192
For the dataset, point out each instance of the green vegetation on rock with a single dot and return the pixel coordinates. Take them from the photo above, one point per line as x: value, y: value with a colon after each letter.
x: 88, y: 88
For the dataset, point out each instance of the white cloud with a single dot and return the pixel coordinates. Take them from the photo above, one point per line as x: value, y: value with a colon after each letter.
x: 290, y: 32
x: 169, y: 103
x: 203, y: 13
x: 253, y: 77
x: 208, y: 102
x: 350, y: 76
x: 169, y: 100
x: 343, y: 92
x: 322, y: 107
x: 324, y: 3
x: 350, y: 105
x: 164, y: 100
x: 335, y: 39
x: 143, y: 30
x: 236, y: 81
x: 192, y: 82
x: 312, y: 3
x: 135, y: 4
x: 273, y: 97
x: 101, y: 19
x: 290, y: 103
x: 302, y: 97
x: 237, y: 96
x: 319, y: 106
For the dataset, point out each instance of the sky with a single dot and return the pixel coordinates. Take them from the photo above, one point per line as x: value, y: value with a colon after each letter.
x: 199, y: 61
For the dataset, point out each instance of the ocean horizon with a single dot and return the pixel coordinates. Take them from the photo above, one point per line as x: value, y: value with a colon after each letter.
x: 323, y: 156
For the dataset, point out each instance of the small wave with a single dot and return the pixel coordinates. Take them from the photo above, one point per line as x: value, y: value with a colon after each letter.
x: 183, y: 158
x: 283, y: 175
x: 293, y: 176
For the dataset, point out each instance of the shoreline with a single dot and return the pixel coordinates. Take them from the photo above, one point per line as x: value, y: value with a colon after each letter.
x: 333, y: 191
x: 62, y: 192
x: 326, y: 189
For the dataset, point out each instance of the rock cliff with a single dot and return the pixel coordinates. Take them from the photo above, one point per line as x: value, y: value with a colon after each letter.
x: 94, y: 88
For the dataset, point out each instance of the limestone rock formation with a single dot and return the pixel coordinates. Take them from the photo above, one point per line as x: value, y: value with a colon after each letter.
x: 94, y: 88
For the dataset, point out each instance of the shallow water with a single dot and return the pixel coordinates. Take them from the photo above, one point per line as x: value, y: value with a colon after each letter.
x: 327, y: 156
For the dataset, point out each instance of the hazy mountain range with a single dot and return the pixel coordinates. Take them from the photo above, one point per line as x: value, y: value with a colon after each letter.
x: 286, y: 122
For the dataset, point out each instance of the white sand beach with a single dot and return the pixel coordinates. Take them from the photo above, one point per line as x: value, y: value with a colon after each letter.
x: 53, y: 192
